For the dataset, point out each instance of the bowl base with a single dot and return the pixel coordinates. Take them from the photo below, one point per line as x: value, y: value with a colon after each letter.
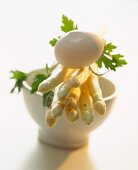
x: 50, y: 140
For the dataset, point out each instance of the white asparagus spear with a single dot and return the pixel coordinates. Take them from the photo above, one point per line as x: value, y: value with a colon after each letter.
x: 75, y: 81
x: 72, y: 115
x: 57, y: 77
x: 50, y: 121
x: 57, y: 109
x: 95, y: 92
x: 56, y: 106
x: 86, y: 107
x: 72, y: 99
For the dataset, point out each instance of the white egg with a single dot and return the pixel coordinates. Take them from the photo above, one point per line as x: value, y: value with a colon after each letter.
x: 78, y: 49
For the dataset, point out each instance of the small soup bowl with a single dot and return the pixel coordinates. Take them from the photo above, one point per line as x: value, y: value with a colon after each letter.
x: 65, y: 134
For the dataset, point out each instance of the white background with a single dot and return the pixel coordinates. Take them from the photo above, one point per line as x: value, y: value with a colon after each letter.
x: 25, y: 29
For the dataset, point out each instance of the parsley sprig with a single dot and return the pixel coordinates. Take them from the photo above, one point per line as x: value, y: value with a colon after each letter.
x: 109, y: 60
x: 67, y: 26
x: 19, y: 77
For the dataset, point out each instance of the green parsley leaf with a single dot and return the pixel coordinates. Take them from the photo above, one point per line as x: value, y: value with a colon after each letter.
x: 109, y: 64
x: 53, y: 42
x: 68, y: 24
x: 118, y: 60
x: 48, y: 98
x: 111, y: 61
x: 37, y: 80
x: 19, y: 78
x: 109, y: 48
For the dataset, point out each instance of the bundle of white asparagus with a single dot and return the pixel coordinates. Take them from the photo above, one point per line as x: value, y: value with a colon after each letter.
x: 78, y: 92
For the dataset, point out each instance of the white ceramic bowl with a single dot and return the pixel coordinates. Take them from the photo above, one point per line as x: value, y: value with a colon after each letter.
x: 65, y: 134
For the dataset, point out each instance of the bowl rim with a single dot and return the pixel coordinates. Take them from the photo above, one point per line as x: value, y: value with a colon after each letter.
x: 113, y: 95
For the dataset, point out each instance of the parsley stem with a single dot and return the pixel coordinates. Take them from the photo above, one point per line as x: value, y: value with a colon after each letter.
x: 54, y: 66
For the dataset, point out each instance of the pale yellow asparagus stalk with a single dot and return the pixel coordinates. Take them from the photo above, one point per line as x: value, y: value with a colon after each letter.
x: 57, y: 77
x: 56, y: 106
x: 72, y: 99
x: 57, y: 109
x: 75, y: 81
x: 72, y: 115
x: 50, y: 121
x: 95, y: 92
x: 85, y: 106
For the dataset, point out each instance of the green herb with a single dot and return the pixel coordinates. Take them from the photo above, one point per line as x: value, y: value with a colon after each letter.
x: 109, y: 48
x: 37, y: 80
x: 67, y: 26
x: 118, y: 60
x: 48, y: 70
x: 53, y: 41
x: 19, y: 77
x: 48, y: 98
x: 111, y: 61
